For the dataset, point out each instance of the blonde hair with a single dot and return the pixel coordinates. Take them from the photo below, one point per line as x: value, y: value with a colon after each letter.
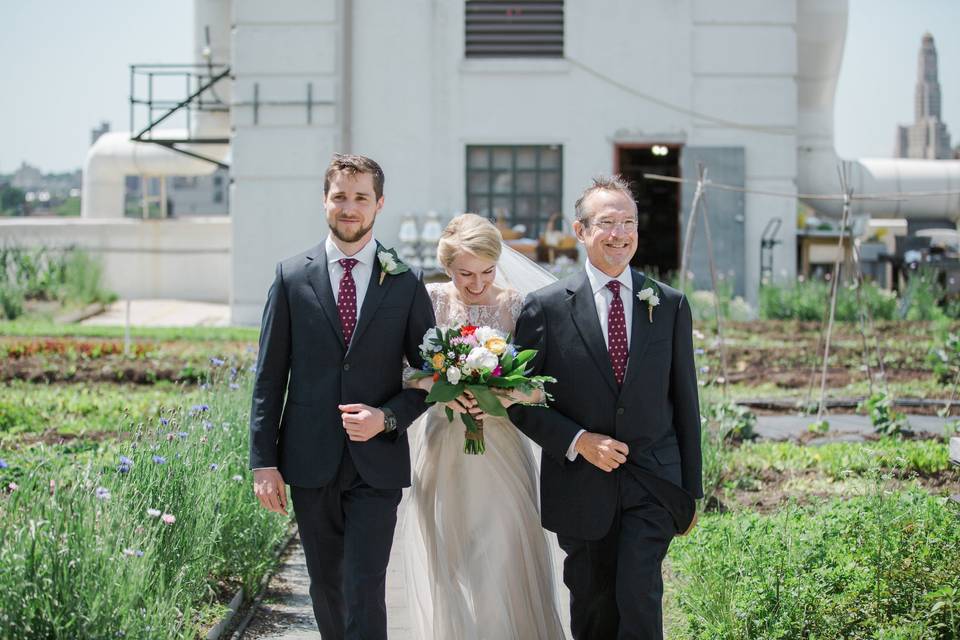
x: 471, y: 233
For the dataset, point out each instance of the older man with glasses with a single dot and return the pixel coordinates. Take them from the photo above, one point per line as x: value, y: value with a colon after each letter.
x: 621, y: 440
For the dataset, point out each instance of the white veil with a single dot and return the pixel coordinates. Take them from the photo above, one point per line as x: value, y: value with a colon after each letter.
x: 517, y: 271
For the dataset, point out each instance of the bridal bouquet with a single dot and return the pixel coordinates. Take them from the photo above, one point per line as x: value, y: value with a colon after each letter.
x: 479, y: 360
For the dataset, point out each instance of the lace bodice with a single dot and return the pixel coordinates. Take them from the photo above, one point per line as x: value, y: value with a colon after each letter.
x: 450, y: 311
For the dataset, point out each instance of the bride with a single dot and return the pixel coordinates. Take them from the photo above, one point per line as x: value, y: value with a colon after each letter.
x: 478, y: 565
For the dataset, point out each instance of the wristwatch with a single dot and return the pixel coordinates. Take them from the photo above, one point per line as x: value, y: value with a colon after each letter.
x: 389, y: 420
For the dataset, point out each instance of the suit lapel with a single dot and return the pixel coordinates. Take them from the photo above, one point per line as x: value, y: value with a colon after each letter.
x: 639, y: 331
x: 584, y: 312
x: 318, y: 275
x: 372, y: 298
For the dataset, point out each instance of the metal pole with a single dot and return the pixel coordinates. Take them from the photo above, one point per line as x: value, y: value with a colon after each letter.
x: 716, y: 291
x: 691, y: 223
x: 126, y: 331
x: 847, y: 197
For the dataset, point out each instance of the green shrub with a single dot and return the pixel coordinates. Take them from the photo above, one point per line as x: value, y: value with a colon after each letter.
x: 809, y: 300
x: 880, y: 566
x: 82, y: 552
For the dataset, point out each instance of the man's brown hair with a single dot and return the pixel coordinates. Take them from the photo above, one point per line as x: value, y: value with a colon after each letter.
x: 352, y: 165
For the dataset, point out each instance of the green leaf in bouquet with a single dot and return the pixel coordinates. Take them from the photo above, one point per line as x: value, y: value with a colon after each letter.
x: 443, y: 391
x: 449, y: 412
x: 506, y: 362
x: 502, y: 383
x: 487, y: 400
x: 525, y: 356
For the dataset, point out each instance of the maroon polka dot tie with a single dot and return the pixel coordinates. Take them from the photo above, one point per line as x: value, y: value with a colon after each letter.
x: 617, y: 333
x: 347, y: 300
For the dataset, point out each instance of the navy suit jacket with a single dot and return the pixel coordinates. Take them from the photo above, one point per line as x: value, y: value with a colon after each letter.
x: 304, y: 370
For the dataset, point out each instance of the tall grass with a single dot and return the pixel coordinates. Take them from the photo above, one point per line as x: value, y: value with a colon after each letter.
x: 809, y: 299
x: 70, y: 276
x: 880, y: 566
x: 85, y: 555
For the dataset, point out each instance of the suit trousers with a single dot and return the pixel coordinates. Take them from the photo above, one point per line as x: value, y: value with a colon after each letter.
x: 346, y: 529
x: 616, y: 585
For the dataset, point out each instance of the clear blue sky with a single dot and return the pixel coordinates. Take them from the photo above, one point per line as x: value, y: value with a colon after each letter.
x: 64, y: 67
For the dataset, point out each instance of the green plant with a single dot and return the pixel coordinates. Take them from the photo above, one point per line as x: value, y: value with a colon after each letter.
x: 884, y: 418
x: 922, y: 295
x: 81, y: 279
x: 733, y: 421
x: 86, y: 550
x: 809, y: 300
x: 860, y: 568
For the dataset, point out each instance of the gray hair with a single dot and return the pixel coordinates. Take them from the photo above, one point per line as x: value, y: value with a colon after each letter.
x: 603, y: 183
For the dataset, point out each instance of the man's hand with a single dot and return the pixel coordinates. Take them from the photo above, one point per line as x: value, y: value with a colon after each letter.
x: 602, y: 451
x: 270, y: 490
x: 361, y: 422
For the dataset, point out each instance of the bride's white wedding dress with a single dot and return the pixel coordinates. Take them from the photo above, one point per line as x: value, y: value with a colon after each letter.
x: 477, y: 562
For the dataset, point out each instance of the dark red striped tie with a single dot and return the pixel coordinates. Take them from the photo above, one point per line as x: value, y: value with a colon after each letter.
x: 347, y: 299
x: 617, y: 333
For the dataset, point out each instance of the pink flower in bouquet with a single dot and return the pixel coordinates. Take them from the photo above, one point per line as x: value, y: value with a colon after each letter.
x: 497, y: 371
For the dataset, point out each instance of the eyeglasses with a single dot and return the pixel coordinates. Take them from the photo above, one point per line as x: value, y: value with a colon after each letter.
x: 607, y: 225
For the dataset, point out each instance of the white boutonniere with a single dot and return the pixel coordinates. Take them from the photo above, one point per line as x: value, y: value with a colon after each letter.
x: 649, y: 293
x: 390, y: 263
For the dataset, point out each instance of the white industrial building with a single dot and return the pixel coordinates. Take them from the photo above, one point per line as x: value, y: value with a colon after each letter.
x: 500, y: 107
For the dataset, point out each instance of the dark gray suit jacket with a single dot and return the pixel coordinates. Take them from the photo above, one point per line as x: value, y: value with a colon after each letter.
x: 656, y: 411
x: 305, y: 370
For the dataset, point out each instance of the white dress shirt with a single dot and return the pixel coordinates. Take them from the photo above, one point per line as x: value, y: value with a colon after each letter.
x: 361, y: 274
x: 361, y: 271
x: 603, y: 298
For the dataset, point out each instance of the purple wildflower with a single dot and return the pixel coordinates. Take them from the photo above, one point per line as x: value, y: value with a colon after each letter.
x: 159, y: 459
x: 217, y: 362
x: 133, y: 553
x: 207, y: 425
x: 213, y: 466
x: 183, y: 435
x: 123, y: 467
x: 164, y: 421
x: 102, y: 493
x: 199, y: 408
x: 3, y: 464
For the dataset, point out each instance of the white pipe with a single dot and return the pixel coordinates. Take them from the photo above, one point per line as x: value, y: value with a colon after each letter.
x: 115, y: 156
x: 821, y: 32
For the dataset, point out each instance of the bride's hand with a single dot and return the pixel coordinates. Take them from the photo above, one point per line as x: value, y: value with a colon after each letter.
x: 469, y: 401
x: 464, y: 403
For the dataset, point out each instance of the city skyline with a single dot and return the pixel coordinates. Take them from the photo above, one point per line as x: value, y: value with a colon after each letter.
x: 51, y: 56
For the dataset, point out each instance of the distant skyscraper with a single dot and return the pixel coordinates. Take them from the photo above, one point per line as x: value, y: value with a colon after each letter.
x: 96, y: 132
x: 927, y: 137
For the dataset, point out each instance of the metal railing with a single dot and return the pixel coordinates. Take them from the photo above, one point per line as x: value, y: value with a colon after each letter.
x: 199, y: 95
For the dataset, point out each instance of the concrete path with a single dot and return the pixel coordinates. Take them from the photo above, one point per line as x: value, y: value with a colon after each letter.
x: 842, y: 426
x: 163, y: 313
x: 285, y: 612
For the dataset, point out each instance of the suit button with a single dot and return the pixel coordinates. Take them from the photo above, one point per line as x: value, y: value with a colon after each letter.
x: 620, y: 411
x: 346, y: 366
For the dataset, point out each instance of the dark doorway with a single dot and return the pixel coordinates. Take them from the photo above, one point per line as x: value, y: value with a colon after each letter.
x: 658, y: 204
